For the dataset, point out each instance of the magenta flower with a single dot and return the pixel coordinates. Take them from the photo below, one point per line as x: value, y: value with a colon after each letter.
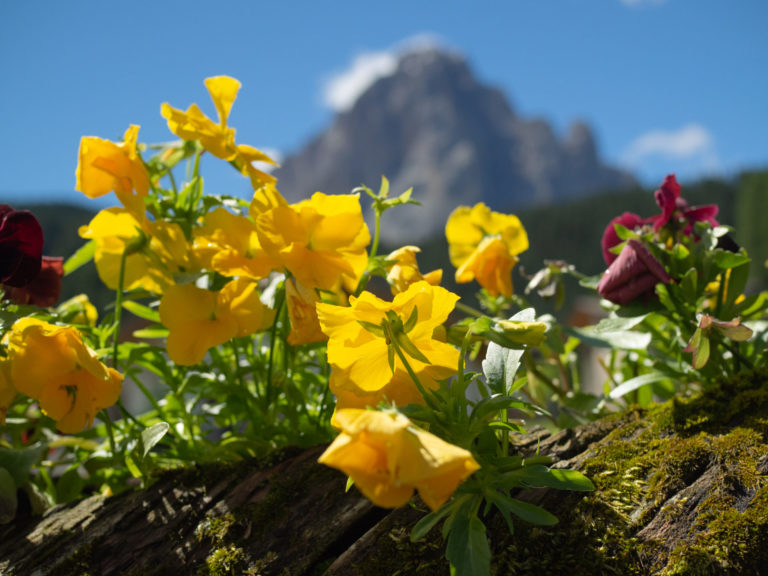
x: 634, y: 273
x: 21, y: 246
x: 611, y: 238
x: 671, y: 204
x: 673, y: 208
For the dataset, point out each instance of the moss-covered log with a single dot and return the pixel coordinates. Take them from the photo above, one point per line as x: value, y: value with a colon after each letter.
x: 682, y: 488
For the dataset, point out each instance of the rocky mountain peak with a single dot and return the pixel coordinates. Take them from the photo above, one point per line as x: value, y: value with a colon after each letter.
x: 433, y: 126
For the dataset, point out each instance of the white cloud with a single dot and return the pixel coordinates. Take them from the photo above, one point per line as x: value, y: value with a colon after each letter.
x: 691, y: 142
x: 342, y: 89
x: 273, y: 153
x: 642, y: 2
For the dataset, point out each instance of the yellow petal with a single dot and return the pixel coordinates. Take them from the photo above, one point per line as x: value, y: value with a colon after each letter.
x: 194, y: 325
x: 305, y: 325
x: 223, y: 90
x: 240, y: 300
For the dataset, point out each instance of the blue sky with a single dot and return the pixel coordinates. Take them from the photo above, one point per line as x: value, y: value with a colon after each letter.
x: 667, y: 85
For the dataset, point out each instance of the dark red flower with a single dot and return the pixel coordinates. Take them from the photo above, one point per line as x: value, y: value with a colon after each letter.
x: 669, y: 200
x: 44, y: 289
x: 635, y: 272
x: 21, y: 246
x: 611, y: 238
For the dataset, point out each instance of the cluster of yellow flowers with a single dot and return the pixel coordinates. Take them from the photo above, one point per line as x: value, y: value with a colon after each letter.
x: 52, y: 365
x: 378, y: 350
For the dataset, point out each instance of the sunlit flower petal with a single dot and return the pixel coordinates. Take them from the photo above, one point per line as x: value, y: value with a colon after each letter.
x: 305, y: 326
x: 388, y: 458
x: 405, y: 270
x: 484, y: 246
x: 230, y: 245
x: 198, y: 319
x: 363, y: 356
x: 104, y: 166
x: 321, y: 241
x: 51, y: 364
x: 156, y: 250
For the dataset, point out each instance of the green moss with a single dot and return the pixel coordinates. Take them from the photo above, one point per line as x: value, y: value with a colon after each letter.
x: 214, y: 528
x: 224, y: 561
x: 639, y: 471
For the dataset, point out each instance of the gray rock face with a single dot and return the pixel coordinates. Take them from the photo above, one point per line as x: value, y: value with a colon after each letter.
x: 432, y: 126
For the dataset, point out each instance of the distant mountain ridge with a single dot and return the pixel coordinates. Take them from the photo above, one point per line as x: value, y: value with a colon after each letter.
x: 433, y: 126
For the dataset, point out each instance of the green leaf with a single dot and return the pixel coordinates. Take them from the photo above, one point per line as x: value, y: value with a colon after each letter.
x: 70, y: 484
x: 634, y: 383
x: 620, y: 339
x: 737, y: 281
x: 152, y: 332
x: 500, y: 367
x: 689, y: 284
x: 384, y: 188
x: 509, y: 426
x: 428, y: 522
x: 528, y: 512
x: 724, y: 259
x: 405, y: 344
x: 664, y: 297
x: 83, y: 255
x: 572, y: 480
x: 467, y: 548
x: 618, y: 324
x: 701, y: 354
x: 151, y: 436
x: 8, y: 500
x: 142, y: 311
x: 494, y: 404
x: 539, y: 476
x: 19, y: 462
x: 132, y: 465
x: 531, y: 513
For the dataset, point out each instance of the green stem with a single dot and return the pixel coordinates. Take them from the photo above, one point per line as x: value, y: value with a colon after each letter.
x: 147, y: 394
x: 116, y: 345
x: 411, y: 373
x: 110, y: 433
x: 118, y: 310
x: 374, y: 248
x: 376, y: 232
x: 271, y: 362
x: 469, y: 310
x: 173, y: 184
x: 193, y: 198
x: 720, y: 295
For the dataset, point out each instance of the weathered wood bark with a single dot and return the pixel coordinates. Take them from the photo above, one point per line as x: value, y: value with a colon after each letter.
x: 682, y: 488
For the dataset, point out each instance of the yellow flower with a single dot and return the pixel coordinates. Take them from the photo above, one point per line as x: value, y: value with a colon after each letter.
x: 218, y: 139
x: 321, y: 241
x: 388, y: 458
x: 52, y: 365
x: 305, y: 326
x: 229, y: 244
x: 361, y: 357
x: 7, y: 391
x: 400, y: 391
x: 484, y: 246
x: 104, y: 166
x: 78, y: 310
x: 405, y: 270
x: 156, y: 250
x: 199, y: 319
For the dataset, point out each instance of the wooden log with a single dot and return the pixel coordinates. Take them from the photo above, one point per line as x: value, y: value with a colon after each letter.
x: 682, y: 488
